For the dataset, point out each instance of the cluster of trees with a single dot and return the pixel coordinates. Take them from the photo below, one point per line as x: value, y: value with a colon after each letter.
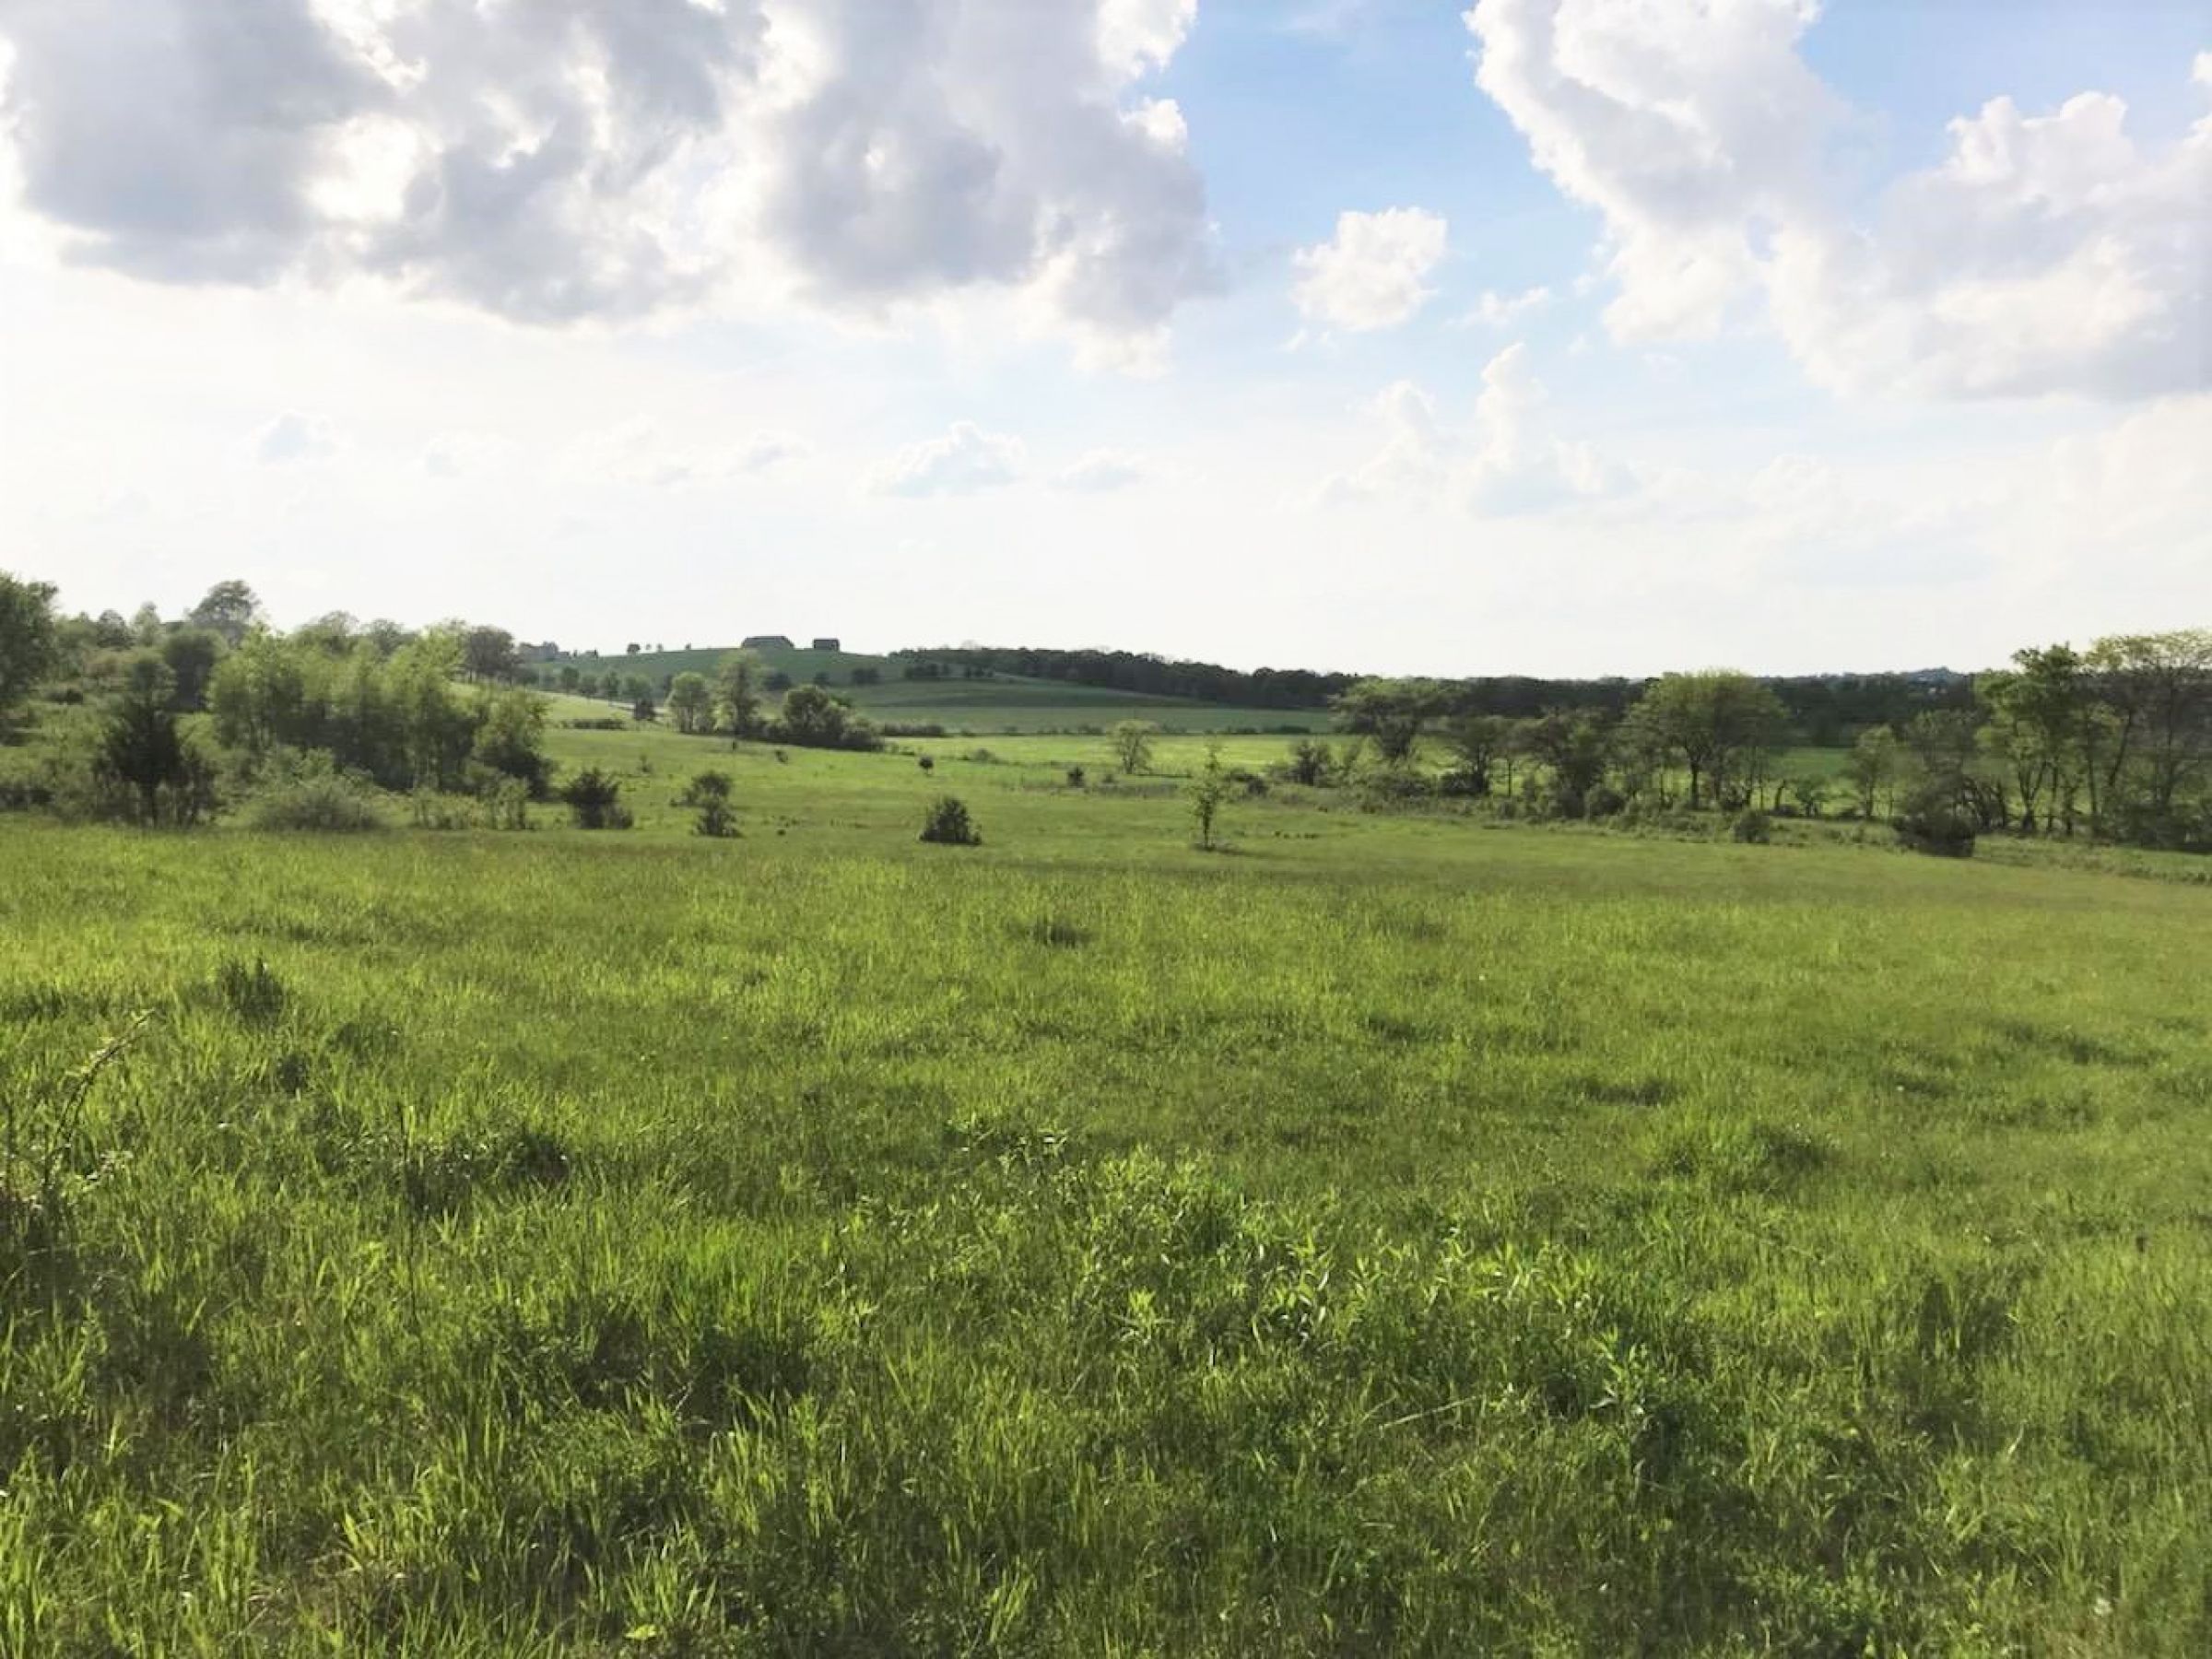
x: 2113, y: 742
x: 1827, y: 710
x: 1136, y: 671
x: 216, y: 694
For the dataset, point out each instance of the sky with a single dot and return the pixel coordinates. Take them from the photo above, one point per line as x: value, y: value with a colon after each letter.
x: 1543, y: 337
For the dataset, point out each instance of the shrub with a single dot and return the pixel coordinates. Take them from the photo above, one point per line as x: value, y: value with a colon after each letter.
x: 1075, y: 776
x: 926, y: 764
x: 434, y: 811
x: 709, y: 796
x: 1931, y: 822
x: 1752, y: 827
x: 594, y: 801
x: 325, y: 805
x: 506, y: 802
x: 946, y: 824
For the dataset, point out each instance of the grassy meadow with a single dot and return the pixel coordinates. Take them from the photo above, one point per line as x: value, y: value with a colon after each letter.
x: 1398, y: 1234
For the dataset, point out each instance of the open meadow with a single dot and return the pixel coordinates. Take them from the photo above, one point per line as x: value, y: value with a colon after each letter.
x: 1398, y: 1234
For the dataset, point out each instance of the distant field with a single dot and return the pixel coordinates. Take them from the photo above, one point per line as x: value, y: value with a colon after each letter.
x: 1000, y: 704
x: 1396, y: 1235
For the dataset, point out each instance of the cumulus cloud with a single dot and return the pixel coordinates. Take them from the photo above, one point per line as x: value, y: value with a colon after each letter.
x: 601, y: 159
x: 1102, y: 471
x: 965, y: 461
x: 293, y: 437
x: 1374, y: 272
x: 2044, y: 254
x: 1507, y: 461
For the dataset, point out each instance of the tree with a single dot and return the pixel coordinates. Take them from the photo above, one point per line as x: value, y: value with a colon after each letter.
x: 738, y: 694
x: 2156, y: 693
x: 146, y: 625
x: 1871, y: 769
x: 1721, y: 725
x: 814, y: 718
x: 777, y: 683
x: 1310, y: 760
x: 144, y: 755
x: 1391, y: 713
x: 488, y: 653
x: 510, y: 738
x: 1575, y: 750
x: 191, y: 655
x: 1476, y: 741
x: 1131, y: 741
x: 230, y: 608
x: 1206, y: 791
x: 28, y: 645
x: 691, y: 701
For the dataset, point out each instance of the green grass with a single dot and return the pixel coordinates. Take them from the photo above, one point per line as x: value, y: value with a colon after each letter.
x: 1004, y: 704
x: 1399, y: 1235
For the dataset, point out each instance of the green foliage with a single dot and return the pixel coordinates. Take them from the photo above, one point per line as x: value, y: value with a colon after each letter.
x: 709, y: 796
x: 815, y: 718
x: 1931, y: 821
x: 328, y: 805
x: 28, y: 645
x: 1133, y: 742
x: 1207, y: 793
x: 1751, y: 828
x: 946, y: 824
x: 149, y: 773
x: 594, y: 801
x: 1391, y: 713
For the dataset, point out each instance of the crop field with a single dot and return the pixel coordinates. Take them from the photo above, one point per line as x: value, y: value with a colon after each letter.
x: 1394, y: 1235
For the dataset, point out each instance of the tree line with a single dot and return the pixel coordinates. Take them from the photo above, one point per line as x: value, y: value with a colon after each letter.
x: 1827, y: 710
x: 2113, y: 742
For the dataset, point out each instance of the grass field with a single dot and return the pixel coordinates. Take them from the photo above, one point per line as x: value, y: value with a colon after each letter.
x: 1002, y: 704
x: 1398, y: 1235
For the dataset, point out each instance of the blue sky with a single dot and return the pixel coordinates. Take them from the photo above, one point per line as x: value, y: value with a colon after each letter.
x: 1558, y: 337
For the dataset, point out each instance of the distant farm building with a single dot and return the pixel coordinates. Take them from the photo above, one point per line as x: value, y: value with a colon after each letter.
x: 827, y: 645
x: 768, y: 643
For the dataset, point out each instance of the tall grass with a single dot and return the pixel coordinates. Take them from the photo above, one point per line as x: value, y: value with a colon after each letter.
x: 649, y: 1244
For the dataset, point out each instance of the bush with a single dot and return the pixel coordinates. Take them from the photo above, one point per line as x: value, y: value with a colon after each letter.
x: 507, y: 803
x: 1932, y: 823
x: 926, y: 764
x: 709, y: 796
x: 594, y: 801
x: 946, y: 824
x: 1752, y: 827
x: 1075, y: 777
x: 327, y: 805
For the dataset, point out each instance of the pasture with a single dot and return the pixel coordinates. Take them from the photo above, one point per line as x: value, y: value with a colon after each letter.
x: 1396, y: 1235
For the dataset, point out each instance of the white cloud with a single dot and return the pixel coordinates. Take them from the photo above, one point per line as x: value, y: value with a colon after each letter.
x: 1503, y: 311
x: 1506, y: 462
x: 2044, y: 254
x: 573, y: 160
x: 637, y: 452
x: 1374, y: 272
x: 293, y: 437
x: 963, y: 462
x: 1102, y: 471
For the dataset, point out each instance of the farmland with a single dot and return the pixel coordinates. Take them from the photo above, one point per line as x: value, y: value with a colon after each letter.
x: 1407, y: 1232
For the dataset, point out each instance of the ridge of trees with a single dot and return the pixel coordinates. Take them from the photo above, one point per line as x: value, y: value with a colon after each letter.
x: 1828, y: 709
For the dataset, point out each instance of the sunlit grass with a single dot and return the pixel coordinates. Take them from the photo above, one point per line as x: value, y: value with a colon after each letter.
x: 1398, y: 1235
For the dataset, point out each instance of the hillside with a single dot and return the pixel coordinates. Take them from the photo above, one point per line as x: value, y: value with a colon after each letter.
x: 997, y: 703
